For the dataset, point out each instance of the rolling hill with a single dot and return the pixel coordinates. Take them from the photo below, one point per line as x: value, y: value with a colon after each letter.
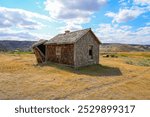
x: 115, y: 47
x: 13, y: 45
x: 9, y: 45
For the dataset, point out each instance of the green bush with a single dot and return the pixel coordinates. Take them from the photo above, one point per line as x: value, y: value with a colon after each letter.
x: 139, y: 62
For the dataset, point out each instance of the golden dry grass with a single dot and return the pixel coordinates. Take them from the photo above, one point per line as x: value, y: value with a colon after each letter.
x: 21, y: 78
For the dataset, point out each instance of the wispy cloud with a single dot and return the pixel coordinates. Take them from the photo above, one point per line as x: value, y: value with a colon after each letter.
x: 129, y: 10
x: 73, y: 12
x: 110, y: 26
x: 17, y: 35
x: 19, y: 18
x: 125, y: 15
x: 123, y: 34
x: 142, y: 2
x: 12, y: 20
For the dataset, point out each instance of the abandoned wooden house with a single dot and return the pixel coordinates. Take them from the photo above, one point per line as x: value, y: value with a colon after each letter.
x: 78, y: 48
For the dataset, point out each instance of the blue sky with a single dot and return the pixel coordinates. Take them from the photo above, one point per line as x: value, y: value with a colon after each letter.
x: 113, y: 21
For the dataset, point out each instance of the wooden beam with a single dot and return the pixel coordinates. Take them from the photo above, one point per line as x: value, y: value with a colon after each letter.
x: 39, y: 54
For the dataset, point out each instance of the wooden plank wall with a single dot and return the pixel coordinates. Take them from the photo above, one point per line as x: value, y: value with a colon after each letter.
x: 67, y: 54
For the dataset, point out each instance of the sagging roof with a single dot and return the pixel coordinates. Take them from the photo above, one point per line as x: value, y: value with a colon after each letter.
x: 69, y: 37
x: 41, y: 41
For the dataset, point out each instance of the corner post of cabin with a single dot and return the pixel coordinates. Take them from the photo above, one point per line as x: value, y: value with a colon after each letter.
x: 74, y: 56
x: 99, y: 54
x: 46, y: 53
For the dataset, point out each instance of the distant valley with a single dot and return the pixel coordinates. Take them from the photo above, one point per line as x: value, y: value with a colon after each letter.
x: 9, y: 45
x: 16, y: 45
x: 115, y: 47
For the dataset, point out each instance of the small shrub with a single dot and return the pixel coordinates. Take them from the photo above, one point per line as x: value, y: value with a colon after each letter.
x: 139, y: 62
x: 110, y: 55
x: 113, y: 56
x: 106, y: 56
x: 129, y: 62
x: 144, y: 62
x: 123, y: 55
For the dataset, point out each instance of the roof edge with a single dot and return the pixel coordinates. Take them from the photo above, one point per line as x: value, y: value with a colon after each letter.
x: 96, y: 37
x: 89, y: 29
x: 39, y: 43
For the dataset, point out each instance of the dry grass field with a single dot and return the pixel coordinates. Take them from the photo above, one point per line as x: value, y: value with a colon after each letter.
x: 125, y: 77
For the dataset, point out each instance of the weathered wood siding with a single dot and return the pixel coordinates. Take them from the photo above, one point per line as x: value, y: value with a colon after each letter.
x: 81, y: 54
x: 39, y: 56
x: 66, y: 57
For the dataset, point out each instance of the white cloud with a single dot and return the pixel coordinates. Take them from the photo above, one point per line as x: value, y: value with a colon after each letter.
x: 123, y: 34
x: 142, y: 2
x: 129, y: 10
x: 11, y: 35
x: 19, y: 24
x: 110, y: 14
x: 10, y: 17
x: 125, y: 15
x: 144, y: 31
x: 63, y: 9
x: 73, y: 12
x: 71, y: 27
x: 124, y: 2
x: 148, y: 23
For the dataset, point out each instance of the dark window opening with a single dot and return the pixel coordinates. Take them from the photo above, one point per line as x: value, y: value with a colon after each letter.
x: 42, y: 48
x: 91, y: 52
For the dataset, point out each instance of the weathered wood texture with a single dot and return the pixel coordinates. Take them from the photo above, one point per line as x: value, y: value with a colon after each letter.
x: 39, y: 55
x: 66, y: 56
x: 82, y: 57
